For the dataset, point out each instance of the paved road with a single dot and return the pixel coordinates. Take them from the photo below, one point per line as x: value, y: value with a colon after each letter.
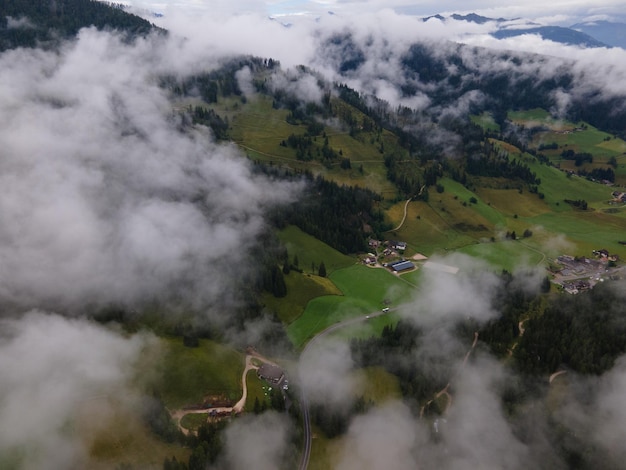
x: 306, y: 451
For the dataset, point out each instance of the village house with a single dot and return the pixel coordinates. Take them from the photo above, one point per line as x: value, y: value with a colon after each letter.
x: 271, y: 373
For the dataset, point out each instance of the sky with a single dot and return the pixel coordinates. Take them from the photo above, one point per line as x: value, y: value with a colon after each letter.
x: 562, y: 12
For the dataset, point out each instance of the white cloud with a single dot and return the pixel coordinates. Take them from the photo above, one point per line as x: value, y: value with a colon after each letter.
x: 104, y: 198
x: 49, y: 366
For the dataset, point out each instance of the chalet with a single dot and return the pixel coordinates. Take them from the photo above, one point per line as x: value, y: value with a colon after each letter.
x: 271, y: 373
x: 395, y: 245
x: 373, y: 243
x: 370, y: 259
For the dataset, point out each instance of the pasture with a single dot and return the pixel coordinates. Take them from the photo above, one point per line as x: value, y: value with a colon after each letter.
x: 301, y: 288
x: 364, y: 290
x: 259, y: 129
x: 120, y: 437
x: 188, y: 375
x: 310, y: 251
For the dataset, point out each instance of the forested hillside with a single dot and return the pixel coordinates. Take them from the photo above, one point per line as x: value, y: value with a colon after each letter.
x: 28, y: 23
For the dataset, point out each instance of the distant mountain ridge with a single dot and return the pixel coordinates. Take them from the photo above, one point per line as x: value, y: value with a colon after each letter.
x: 609, y: 32
x: 600, y: 34
x: 553, y: 33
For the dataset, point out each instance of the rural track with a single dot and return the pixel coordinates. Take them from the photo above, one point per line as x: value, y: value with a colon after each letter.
x: 406, y: 205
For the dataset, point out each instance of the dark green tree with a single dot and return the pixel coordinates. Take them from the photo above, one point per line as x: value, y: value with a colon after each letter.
x: 321, y: 271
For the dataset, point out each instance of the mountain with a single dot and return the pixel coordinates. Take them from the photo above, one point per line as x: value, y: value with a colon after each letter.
x: 27, y: 23
x: 578, y: 35
x: 611, y: 33
x: 552, y: 33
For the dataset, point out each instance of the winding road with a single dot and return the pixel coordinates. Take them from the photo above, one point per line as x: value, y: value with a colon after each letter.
x: 306, y: 451
x: 238, y: 407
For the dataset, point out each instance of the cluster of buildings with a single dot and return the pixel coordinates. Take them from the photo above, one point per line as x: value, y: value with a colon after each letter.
x: 391, y: 250
x: 618, y: 197
x: 578, y: 274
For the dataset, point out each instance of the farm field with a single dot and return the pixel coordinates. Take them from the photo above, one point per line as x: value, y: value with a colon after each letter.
x: 505, y: 254
x: 364, y: 290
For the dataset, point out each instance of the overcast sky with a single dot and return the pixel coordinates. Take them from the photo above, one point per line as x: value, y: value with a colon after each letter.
x: 563, y: 12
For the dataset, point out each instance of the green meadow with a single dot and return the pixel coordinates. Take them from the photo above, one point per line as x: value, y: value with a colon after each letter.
x: 259, y: 129
x: 121, y: 439
x: 364, y: 291
x: 187, y: 375
x: 486, y: 121
x: 310, y: 251
x: 301, y: 289
x: 255, y: 391
x: 505, y: 254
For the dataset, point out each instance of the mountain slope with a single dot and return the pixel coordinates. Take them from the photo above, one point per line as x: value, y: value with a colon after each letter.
x: 611, y: 33
x: 553, y: 33
x: 25, y: 23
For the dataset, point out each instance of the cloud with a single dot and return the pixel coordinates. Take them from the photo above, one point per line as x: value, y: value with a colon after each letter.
x: 259, y: 442
x: 324, y: 372
x: 444, y: 297
x: 105, y: 199
x: 49, y: 366
x: 386, y: 436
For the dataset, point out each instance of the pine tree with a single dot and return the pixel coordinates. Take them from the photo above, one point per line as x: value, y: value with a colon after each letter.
x: 321, y: 270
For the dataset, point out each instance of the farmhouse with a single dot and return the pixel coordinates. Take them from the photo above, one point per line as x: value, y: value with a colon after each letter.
x: 373, y: 243
x: 271, y: 373
x: 396, y: 245
x: 399, y: 266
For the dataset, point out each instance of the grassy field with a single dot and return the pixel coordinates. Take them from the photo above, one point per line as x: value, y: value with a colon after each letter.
x: 193, y: 421
x: 364, y: 290
x: 301, y: 288
x: 366, y: 329
x: 255, y: 391
x: 425, y: 230
x: 587, y: 230
x: 485, y: 120
x: 310, y: 250
x: 506, y: 254
x: 378, y: 385
x: 190, y: 374
x: 324, y: 451
x: 259, y: 129
x: 579, y: 137
x: 118, y: 436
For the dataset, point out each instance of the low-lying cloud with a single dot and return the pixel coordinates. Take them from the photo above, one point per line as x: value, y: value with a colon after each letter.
x: 105, y: 199
x: 49, y: 366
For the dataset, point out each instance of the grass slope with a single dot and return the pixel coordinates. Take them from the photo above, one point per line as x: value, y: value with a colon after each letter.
x: 310, y: 250
x: 190, y: 374
x: 364, y: 290
x: 259, y: 129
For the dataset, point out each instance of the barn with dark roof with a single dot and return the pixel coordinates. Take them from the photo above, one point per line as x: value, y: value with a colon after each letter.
x: 402, y: 266
x: 271, y: 373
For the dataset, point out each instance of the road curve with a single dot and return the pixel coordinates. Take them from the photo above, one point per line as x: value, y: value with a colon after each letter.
x: 306, y: 451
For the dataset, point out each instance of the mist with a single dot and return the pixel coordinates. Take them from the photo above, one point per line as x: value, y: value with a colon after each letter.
x: 51, y: 366
x: 106, y: 199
